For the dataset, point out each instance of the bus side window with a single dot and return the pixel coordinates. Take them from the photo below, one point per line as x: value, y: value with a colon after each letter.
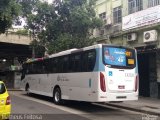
x: 34, y: 68
x: 88, y: 61
x: 58, y: 65
x: 91, y: 60
x: 30, y: 68
x: 24, y: 71
x: 47, y: 66
x: 77, y: 63
x: 71, y: 63
x: 65, y: 61
x: 53, y: 64
x: 43, y: 66
x: 84, y: 62
x: 37, y: 67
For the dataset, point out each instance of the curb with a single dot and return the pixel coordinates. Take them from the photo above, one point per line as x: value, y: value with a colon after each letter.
x: 14, y: 90
x: 133, y: 109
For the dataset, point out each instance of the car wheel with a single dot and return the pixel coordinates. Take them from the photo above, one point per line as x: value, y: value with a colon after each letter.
x: 57, y: 96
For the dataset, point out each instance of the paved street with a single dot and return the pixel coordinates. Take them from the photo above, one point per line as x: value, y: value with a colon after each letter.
x: 40, y: 107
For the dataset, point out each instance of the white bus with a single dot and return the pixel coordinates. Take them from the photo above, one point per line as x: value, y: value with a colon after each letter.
x: 97, y: 73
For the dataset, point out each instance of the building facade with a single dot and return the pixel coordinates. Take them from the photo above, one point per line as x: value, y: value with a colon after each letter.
x: 14, y: 49
x: 134, y: 23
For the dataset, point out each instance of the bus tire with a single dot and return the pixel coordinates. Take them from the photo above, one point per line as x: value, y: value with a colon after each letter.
x: 57, y: 96
x: 27, y: 89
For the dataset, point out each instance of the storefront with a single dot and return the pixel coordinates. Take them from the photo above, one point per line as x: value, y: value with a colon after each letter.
x: 147, y: 66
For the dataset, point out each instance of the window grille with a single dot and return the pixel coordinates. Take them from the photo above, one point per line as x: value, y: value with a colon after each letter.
x: 152, y: 3
x: 134, y: 6
x: 117, y: 15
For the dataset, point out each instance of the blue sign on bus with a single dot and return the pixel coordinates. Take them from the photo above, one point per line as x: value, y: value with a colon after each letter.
x: 115, y: 56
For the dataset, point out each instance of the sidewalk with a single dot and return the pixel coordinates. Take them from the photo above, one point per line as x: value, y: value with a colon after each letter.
x: 144, y: 105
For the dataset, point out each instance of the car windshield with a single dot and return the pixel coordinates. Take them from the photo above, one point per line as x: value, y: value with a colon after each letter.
x: 2, y: 88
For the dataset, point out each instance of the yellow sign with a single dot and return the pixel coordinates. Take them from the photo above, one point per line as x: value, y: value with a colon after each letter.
x: 131, y: 61
x: 128, y: 54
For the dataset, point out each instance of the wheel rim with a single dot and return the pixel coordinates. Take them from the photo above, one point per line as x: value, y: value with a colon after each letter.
x: 57, y: 96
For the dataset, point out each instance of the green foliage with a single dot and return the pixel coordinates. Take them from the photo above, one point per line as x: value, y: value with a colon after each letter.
x: 67, y: 41
x: 28, y: 6
x: 38, y: 50
x: 9, y: 10
x: 63, y: 41
x: 22, y: 32
x: 63, y: 24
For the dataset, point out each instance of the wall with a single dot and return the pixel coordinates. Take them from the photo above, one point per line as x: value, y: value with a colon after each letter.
x: 17, y: 39
x: 153, y: 76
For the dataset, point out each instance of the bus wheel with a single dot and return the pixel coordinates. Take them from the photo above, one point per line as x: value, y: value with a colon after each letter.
x: 57, y: 96
x: 27, y: 90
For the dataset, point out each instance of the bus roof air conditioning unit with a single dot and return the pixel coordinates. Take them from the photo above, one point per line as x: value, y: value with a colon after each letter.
x: 150, y: 36
x: 131, y: 37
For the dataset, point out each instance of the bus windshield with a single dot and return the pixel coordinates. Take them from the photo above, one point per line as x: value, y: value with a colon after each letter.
x: 119, y: 57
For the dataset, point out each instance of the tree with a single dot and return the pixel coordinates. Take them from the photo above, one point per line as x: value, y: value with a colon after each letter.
x: 28, y: 6
x: 37, y: 14
x: 64, y: 24
x: 9, y: 10
x: 75, y: 19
